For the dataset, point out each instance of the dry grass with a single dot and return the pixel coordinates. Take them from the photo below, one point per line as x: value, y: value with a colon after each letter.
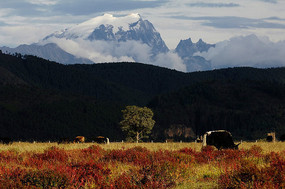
x: 154, y: 146
x: 40, y: 147
x: 267, y: 147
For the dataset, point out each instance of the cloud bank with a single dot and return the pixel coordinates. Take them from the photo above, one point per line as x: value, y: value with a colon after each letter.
x: 85, y: 7
x: 213, y: 20
x: 100, y: 51
x: 269, y: 1
x: 232, y: 22
x: 213, y: 5
x: 248, y: 50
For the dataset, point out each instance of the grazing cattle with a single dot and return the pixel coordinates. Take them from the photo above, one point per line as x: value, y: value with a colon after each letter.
x: 221, y: 139
x: 282, y: 138
x: 79, y: 139
x: 5, y: 140
x: 100, y: 140
x: 271, y: 137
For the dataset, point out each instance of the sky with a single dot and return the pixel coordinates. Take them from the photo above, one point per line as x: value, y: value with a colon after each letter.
x: 28, y: 21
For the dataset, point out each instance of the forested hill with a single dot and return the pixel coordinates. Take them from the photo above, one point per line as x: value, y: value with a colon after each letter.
x: 44, y: 100
x: 123, y: 82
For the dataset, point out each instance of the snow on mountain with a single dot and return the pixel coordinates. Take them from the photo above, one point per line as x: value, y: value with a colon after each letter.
x: 114, y: 39
x: 110, y: 28
x: 108, y: 38
x: 83, y: 30
x: 130, y: 38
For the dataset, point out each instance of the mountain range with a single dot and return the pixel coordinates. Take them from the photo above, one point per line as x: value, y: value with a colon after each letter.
x: 112, y: 39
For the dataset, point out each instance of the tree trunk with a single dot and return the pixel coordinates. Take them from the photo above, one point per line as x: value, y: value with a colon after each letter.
x: 138, y: 137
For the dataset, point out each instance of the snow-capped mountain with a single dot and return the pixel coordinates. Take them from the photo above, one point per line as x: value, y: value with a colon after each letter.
x: 108, y: 38
x: 118, y: 29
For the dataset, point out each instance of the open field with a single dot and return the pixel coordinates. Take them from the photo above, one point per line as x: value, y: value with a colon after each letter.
x: 266, y: 147
x: 143, y: 165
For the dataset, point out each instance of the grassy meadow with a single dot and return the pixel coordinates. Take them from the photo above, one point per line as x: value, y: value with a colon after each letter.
x: 142, y: 165
x: 266, y: 147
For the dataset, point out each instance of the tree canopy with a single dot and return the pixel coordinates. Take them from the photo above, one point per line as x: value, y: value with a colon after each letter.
x: 137, y: 122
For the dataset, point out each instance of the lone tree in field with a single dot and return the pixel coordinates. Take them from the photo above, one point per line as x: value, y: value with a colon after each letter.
x: 137, y: 122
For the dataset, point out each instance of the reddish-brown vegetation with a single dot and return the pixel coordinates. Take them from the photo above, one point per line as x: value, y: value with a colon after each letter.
x: 95, y: 167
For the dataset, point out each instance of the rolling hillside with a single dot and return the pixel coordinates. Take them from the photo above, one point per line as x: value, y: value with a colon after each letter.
x: 43, y: 100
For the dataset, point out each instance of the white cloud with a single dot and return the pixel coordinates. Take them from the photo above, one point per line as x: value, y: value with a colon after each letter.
x: 269, y: 1
x: 214, y: 5
x: 165, y: 16
x: 160, y: 13
x: 111, y: 51
x: 42, y: 2
x: 247, y: 51
x: 10, y: 34
x: 170, y: 60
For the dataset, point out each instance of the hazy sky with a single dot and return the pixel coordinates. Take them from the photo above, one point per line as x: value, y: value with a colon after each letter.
x: 28, y: 21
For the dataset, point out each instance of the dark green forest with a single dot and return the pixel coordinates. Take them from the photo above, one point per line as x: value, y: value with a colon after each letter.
x: 43, y: 100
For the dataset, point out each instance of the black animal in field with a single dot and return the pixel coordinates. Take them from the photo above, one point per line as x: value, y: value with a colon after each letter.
x: 101, y: 140
x: 271, y: 137
x: 221, y: 139
x: 282, y: 138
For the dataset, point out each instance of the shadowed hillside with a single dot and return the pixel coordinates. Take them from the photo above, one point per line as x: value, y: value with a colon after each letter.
x: 248, y: 109
x: 44, y: 100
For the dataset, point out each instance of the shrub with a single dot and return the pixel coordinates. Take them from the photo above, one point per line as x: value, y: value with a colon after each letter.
x: 248, y: 175
x: 93, y: 150
x: 11, y: 177
x: 137, y: 156
x: 52, y: 154
x: 45, y: 179
x: 89, y: 173
x: 255, y: 151
x: 9, y: 156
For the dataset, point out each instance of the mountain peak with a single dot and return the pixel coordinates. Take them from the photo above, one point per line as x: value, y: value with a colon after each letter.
x: 116, y: 28
x: 84, y: 29
x: 188, y: 40
x: 200, y: 41
x: 187, y: 47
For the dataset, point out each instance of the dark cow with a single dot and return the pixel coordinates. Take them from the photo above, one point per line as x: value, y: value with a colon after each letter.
x: 79, y: 139
x: 271, y: 137
x: 221, y: 139
x: 100, y: 140
x: 282, y: 138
